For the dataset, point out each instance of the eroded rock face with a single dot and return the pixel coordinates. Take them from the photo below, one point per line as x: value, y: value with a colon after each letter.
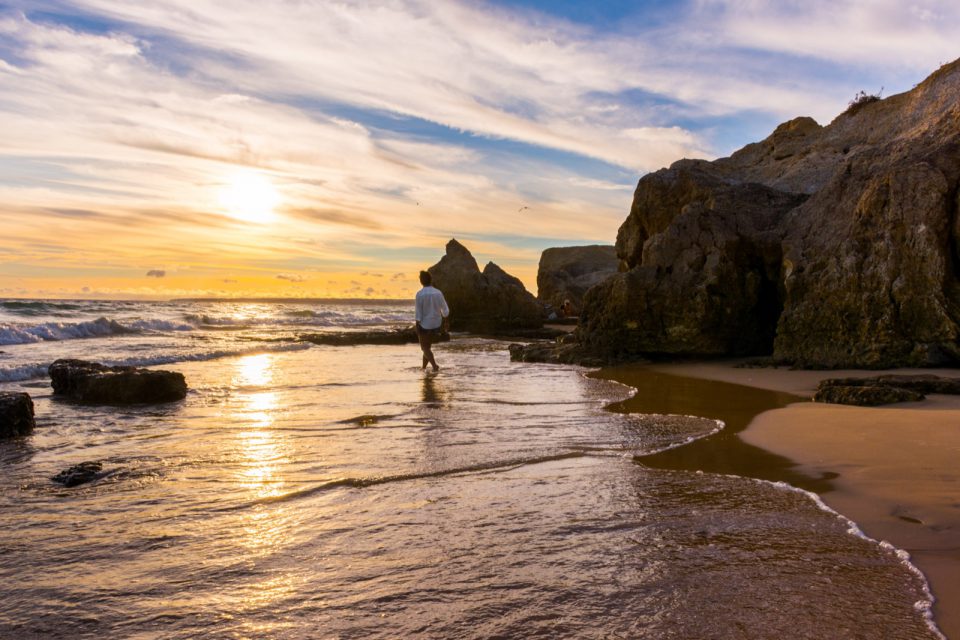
x: 16, y: 414
x: 703, y: 253
x: 94, y: 383
x: 566, y: 273
x: 834, y: 246
x: 490, y: 301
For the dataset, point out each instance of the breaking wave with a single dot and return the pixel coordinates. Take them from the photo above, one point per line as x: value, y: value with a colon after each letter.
x: 55, y: 331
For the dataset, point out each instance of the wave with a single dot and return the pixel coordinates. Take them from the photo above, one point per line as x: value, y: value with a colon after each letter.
x: 300, y: 317
x: 362, y: 483
x: 923, y: 607
x: 55, y: 331
x: 35, y: 371
x: 23, y: 372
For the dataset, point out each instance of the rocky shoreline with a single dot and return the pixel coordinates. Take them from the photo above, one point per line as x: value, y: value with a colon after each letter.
x: 819, y: 247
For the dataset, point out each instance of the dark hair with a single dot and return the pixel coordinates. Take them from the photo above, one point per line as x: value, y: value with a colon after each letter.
x: 425, y: 278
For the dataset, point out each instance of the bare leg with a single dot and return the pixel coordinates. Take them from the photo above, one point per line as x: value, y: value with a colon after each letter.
x: 425, y: 344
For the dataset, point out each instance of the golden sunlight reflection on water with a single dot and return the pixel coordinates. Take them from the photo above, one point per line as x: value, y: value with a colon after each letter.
x: 263, y: 450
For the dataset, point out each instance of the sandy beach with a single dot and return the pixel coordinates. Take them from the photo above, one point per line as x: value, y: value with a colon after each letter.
x: 893, y: 470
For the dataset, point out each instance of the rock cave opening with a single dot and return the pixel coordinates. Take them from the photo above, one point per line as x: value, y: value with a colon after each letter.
x: 767, y: 312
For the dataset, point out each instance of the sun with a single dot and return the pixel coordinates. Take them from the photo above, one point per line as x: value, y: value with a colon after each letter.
x: 249, y: 196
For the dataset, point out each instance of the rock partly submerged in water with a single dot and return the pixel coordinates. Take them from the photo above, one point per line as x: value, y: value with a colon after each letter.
x: 886, y: 389
x: 564, y: 350
x: 16, y: 414
x: 79, y: 474
x: 95, y: 383
x: 379, y: 337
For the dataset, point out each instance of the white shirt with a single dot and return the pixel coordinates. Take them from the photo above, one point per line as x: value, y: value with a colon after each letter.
x: 431, y: 308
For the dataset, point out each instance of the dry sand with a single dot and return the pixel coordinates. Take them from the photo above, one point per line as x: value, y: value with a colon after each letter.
x: 898, y: 466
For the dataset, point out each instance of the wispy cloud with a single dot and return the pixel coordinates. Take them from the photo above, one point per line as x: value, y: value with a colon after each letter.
x: 388, y: 126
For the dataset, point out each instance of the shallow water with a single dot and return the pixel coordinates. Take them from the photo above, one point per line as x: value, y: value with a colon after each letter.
x: 339, y: 492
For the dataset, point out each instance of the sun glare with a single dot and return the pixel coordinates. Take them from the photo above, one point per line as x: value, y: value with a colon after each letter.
x: 249, y: 196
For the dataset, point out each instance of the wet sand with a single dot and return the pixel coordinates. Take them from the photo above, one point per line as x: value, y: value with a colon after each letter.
x: 893, y: 470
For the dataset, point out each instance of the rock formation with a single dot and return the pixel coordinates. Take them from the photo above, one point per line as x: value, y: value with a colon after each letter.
x: 94, y: 383
x: 377, y: 337
x: 565, y: 273
x: 885, y: 389
x: 834, y: 246
x: 491, y: 301
x: 16, y: 414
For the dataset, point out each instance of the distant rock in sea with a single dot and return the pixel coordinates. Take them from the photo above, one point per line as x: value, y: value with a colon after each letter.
x: 566, y: 273
x: 491, y: 301
x: 16, y: 414
x: 835, y: 246
x: 94, y: 383
x: 375, y: 337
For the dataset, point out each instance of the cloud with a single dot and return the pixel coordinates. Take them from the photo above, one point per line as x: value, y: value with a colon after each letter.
x: 292, y: 277
x: 156, y: 273
x: 124, y: 135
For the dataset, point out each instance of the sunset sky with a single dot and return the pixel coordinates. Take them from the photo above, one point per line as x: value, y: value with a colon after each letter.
x: 320, y: 148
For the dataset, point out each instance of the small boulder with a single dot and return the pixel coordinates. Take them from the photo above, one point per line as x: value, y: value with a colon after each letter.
x: 16, y: 414
x: 94, y: 383
x: 865, y: 396
x: 79, y: 474
x: 924, y: 383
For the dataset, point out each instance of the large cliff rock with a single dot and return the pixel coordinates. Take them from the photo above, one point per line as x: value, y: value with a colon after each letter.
x: 825, y: 246
x: 566, y: 273
x: 491, y: 301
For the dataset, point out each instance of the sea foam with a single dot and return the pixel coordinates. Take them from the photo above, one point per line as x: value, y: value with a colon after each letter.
x: 54, y: 331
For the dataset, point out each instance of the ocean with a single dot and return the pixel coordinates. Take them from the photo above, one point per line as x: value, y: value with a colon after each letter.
x: 307, y: 491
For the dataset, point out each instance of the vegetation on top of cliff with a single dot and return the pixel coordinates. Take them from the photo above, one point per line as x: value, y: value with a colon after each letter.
x: 861, y: 100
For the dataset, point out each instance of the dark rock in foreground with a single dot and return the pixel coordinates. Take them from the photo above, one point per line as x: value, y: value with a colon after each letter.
x: 94, y: 383
x: 566, y: 273
x: 16, y: 414
x: 78, y: 474
x: 489, y: 302
x: 865, y: 396
x: 381, y: 337
x: 827, y: 247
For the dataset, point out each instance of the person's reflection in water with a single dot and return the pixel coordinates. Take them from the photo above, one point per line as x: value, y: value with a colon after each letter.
x: 432, y: 391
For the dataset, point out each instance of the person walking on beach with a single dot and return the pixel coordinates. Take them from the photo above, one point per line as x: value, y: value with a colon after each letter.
x: 432, y: 311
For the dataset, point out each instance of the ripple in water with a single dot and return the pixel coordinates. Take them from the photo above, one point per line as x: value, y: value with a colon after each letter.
x: 338, y: 492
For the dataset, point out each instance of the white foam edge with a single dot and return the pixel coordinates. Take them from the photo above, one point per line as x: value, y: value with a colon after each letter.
x: 37, y: 371
x: 924, y: 607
